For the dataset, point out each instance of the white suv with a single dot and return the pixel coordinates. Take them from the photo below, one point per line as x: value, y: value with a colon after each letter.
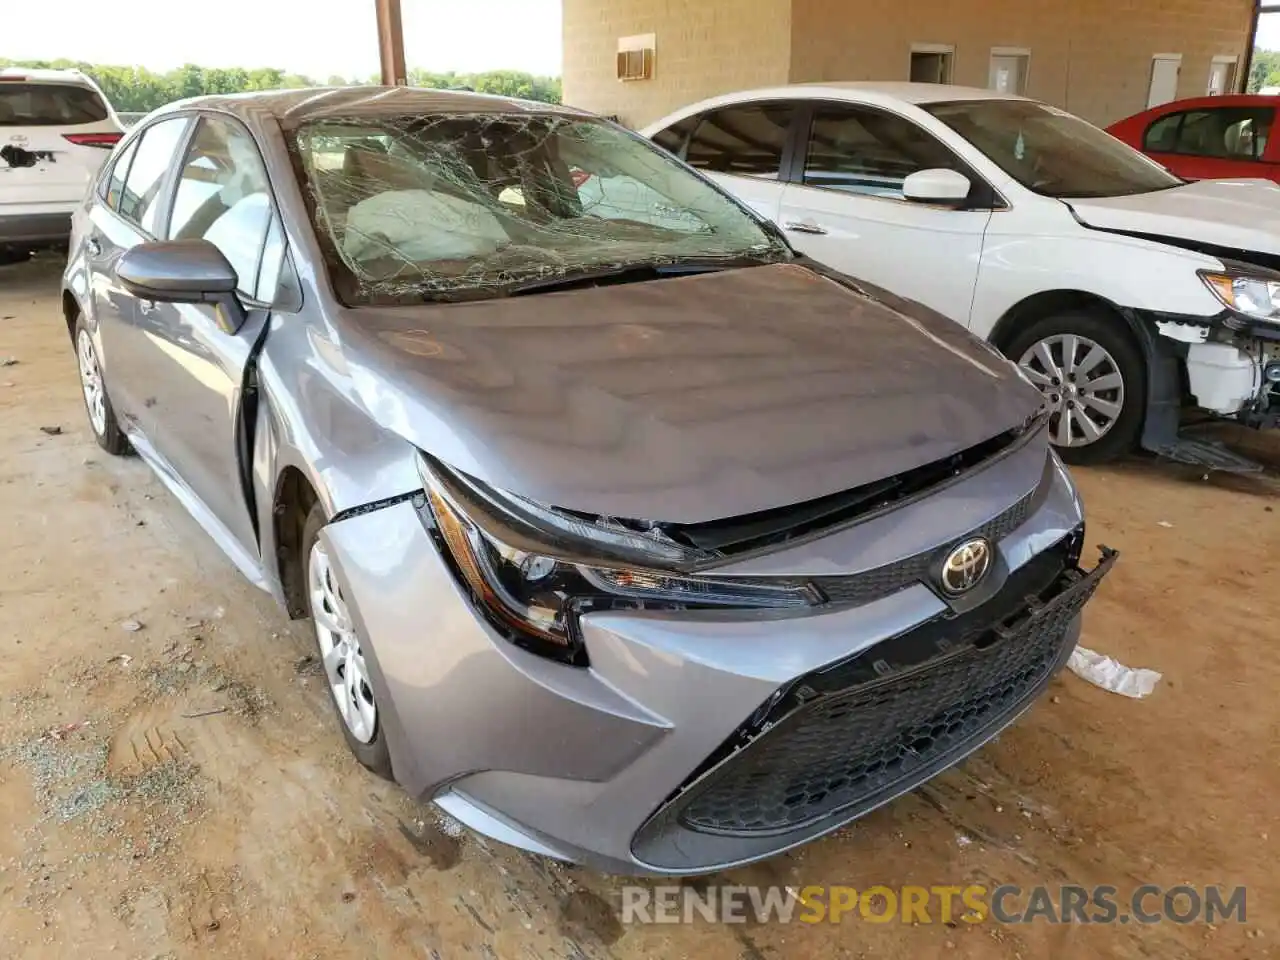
x: 1123, y: 292
x: 56, y: 128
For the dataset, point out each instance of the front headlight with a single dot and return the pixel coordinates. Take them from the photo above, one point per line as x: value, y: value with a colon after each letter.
x: 1253, y: 295
x: 532, y: 570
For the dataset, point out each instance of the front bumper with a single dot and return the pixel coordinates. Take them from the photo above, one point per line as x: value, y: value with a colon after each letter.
x: 626, y: 765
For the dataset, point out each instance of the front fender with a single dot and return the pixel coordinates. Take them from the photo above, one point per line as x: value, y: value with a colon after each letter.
x: 1129, y: 272
x: 311, y: 420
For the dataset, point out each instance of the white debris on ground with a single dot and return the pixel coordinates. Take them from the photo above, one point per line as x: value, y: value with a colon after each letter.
x: 1109, y: 674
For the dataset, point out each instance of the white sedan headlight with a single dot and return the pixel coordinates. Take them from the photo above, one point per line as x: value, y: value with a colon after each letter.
x: 1254, y: 296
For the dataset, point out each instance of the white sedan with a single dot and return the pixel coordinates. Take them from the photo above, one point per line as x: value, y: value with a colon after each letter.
x: 1123, y: 292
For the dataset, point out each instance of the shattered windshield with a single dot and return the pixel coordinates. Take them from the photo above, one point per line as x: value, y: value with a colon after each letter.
x: 473, y: 205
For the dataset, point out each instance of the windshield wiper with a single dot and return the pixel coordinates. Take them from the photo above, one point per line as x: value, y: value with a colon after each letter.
x: 631, y: 273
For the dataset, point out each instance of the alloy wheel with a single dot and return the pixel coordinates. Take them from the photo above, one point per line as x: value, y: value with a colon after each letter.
x: 95, y: 400
x: 340, y: 651
x: 1082, y: 386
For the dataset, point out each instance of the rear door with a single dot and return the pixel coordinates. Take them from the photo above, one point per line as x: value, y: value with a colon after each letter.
x: 54, y: 138
x: 846, y: 207
x: 124, y: 215
x: 742, y: 147
x: 196, y: 366
x: 1213, y: 142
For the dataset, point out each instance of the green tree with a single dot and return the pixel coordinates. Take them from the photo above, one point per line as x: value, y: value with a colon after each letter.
x: 139, y: 90
x: 1265, y: 71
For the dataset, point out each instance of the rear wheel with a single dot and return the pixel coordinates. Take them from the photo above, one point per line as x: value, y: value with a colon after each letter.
x: 342, y: 653
x: 1093, y: 380
x: 102, y: 419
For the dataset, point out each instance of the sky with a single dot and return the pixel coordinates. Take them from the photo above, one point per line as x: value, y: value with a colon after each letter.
x: 336, y: 37
x: 1269, y: 31
x: 462, y: 35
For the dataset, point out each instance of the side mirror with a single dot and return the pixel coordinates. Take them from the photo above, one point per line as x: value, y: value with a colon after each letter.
x: 183, y: 271
x: 936, y: 186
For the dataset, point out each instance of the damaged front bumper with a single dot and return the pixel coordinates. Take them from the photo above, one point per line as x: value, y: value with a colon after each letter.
x: 850, y: 737
x: 593, y: 764
x: 1231, y: 365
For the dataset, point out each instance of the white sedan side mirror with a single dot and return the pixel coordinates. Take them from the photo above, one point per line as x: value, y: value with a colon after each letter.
x: 936, y: 186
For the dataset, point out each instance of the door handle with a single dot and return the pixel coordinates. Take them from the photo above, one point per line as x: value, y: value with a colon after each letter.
x: 94, y: 247
x: 804, y: 226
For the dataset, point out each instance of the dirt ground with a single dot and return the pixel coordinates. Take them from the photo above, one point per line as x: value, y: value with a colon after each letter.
x: 173, y: 785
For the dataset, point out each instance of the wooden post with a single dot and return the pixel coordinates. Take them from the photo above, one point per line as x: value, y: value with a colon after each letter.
x: 391, y: 43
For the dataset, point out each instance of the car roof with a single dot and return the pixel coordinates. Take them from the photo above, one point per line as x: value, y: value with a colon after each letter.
x: 903, y: 90
x: 876, y: 93
x: 40, y: 75
x: 1221, y: 100
x: 292, y: 107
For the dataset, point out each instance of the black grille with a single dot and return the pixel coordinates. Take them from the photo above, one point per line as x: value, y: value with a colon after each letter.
x: 848, y: 751
x: 860, y: 588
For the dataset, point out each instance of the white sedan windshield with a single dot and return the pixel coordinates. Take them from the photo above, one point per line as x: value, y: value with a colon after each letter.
x: 474, y: 204
x: 1051, y: 151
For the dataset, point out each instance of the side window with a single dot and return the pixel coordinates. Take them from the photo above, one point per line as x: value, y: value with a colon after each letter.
x: 744, y: 140
x: 1162, y: 136
x: 222, y: 197
x: 864, y: 151
x: 1245, y: 137
x: 676, y: 136
x: 1226, y: 133
x: 119, y: 170
x: 139, y: 200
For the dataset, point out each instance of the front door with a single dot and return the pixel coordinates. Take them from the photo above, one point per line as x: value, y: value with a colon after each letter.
x: 848, y: 210
x: 197, y: 364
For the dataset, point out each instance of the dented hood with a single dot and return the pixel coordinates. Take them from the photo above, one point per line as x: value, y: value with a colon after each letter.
x: 682, y: 400
x: 1244, y: 214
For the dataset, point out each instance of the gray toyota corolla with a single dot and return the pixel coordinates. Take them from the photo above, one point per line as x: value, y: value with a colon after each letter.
x: 629, y: 536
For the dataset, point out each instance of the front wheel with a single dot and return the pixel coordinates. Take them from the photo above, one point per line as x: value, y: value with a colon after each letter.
x: 1093, y: 380
x: 342, y: 653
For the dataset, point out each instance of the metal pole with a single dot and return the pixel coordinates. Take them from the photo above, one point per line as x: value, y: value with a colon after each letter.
x: 391, y: 43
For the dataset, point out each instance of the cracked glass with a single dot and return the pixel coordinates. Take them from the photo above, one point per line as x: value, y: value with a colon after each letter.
x: 466, y: 206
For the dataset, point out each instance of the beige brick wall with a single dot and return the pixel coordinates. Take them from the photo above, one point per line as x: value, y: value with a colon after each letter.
x: 1092, y: 57
x: 704, y: 47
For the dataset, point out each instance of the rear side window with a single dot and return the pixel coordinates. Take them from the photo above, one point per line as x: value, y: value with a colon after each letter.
x: 677, y: 135
x: 1224, y: 133
x: 119, y: 170
x: 49, y: 105
x: 744, y: 140
x: 1162, y: 136
x: 139, y: 201
x: 222, y: 197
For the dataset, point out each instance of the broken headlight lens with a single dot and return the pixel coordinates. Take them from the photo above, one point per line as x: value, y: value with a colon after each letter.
x: 533, y: 593
x: 1254, y: 296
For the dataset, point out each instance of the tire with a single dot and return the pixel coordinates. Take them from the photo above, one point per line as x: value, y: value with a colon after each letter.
x: 1115, y: 415
x: 370, y: 750
x: 97, y: 405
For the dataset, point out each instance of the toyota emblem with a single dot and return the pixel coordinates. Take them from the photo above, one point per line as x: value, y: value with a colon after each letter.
x: 965, y: 566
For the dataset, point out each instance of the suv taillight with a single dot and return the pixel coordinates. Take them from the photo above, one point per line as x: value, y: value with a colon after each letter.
x: 93, y: 139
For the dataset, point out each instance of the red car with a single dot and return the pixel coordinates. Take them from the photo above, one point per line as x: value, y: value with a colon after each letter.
x: 1208, y: 137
